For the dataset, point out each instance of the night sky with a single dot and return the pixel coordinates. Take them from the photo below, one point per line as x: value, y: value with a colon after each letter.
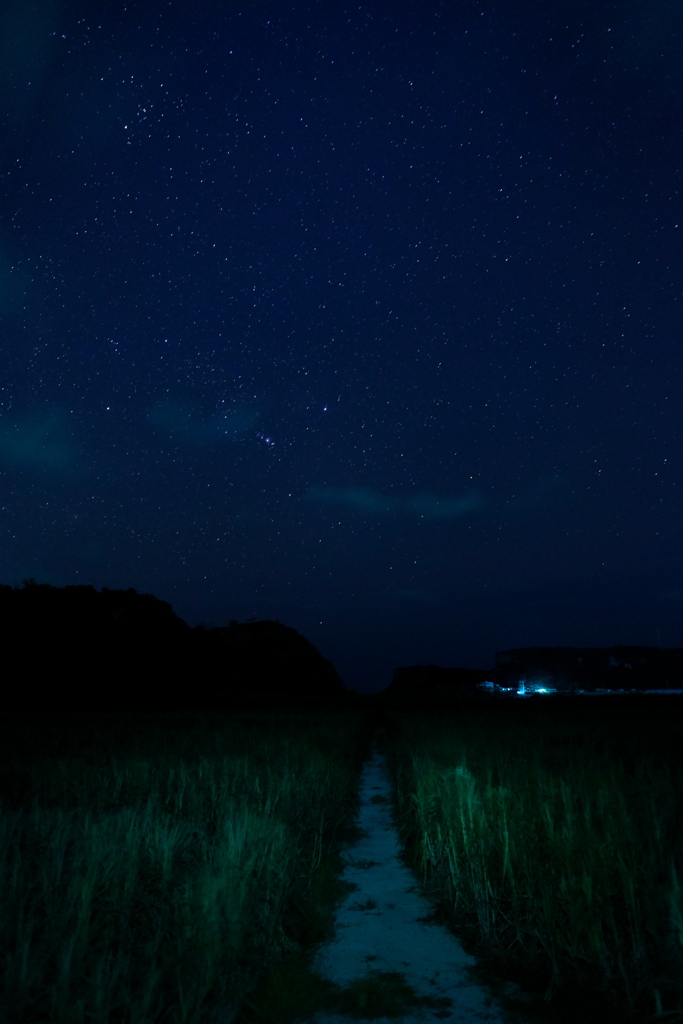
x: 361, y: 316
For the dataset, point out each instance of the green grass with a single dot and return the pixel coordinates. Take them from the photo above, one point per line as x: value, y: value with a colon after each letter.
x: 555, y: 844
x: 182, y: 869
x: 151, y: 869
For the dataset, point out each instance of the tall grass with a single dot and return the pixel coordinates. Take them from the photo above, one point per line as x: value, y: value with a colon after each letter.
x: 145, y: 865
x: 555, y: 845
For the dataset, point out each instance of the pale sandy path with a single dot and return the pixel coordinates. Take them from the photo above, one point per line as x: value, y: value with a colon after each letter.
x: 381, y: 927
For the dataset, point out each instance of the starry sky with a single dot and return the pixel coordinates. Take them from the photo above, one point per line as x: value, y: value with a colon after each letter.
x: 360, y: 316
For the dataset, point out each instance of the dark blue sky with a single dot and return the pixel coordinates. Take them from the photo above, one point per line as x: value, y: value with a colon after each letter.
x: 364, y: 317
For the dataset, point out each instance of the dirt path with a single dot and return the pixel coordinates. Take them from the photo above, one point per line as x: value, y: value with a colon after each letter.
x: 386, y: 952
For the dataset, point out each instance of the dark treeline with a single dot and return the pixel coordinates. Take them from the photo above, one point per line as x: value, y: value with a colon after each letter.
x: 592, y: 668
x: 76, y: 648
x: 431, y: 683
x: 564, y: 670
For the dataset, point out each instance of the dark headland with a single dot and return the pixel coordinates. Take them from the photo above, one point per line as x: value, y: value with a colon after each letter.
x: 79, y: 649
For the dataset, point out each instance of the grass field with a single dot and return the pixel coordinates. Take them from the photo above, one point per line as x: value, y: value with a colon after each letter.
x: 151, y: 866
x: 552, y: 835
x: 182, y: 868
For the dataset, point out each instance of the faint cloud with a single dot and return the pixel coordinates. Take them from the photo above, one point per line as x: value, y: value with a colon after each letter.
x: 182, y: 421
x: 28, y: 45
x: 37, y: 441
x: 373, y: 502
x: 543, y: 493
x: 434, y: 507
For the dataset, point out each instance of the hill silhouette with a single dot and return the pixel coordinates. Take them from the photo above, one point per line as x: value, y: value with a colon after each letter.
x: 76, y: 648
x: 427, y: 685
